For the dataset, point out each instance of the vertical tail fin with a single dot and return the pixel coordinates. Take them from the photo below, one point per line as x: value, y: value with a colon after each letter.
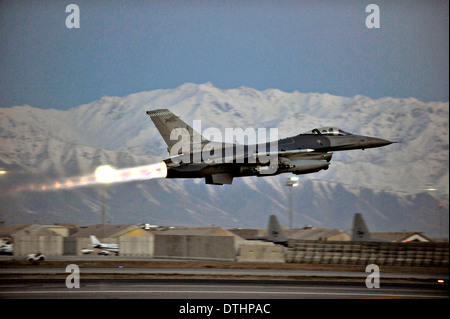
x: 166, y: 122
x: 275, y: 233
x: 94, y: 240
x: 360, y: 232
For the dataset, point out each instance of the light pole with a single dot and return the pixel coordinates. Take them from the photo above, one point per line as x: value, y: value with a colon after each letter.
x: 105, y: 175
x: 291, y: 182
x: 433, y: 189
x: 103, y: 205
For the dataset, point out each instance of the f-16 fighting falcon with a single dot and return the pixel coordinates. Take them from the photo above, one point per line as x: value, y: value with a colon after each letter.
x: 194, y: 156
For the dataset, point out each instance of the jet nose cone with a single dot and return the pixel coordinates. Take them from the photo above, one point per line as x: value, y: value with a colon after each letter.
x: 377, y: 142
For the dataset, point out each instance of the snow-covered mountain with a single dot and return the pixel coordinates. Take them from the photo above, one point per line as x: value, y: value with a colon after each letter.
x: 388, y: 185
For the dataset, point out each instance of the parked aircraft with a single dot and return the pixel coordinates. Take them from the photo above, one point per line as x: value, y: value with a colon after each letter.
x: 275, y: 233
x: 194, y: 156
x: 6, y: 249
x: 106, y: 248
x: 360, y: 232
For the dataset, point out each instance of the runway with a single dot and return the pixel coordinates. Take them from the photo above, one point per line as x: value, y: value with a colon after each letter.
x: 218, y: 273
x: 211, y: 289
x: 122, y: 278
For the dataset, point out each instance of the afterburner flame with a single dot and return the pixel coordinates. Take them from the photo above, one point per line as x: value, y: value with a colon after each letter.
x: 106, y: 174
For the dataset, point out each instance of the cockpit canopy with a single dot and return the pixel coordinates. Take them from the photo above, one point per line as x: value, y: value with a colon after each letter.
x: 327, y: 131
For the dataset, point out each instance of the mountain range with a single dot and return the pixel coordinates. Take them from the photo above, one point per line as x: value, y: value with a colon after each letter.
x: 403, y: 186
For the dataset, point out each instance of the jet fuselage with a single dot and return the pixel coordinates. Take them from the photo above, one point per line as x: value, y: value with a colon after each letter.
x: 219, y: 163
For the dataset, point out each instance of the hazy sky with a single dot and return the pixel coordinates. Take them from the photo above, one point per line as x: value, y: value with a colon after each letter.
x: 123, y: 47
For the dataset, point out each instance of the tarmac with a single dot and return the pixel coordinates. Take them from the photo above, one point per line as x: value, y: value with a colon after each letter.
x: 106, y: 277
x: 135, y: 267
x: 190, y: 289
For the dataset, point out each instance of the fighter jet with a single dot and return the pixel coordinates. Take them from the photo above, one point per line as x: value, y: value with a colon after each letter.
x: 194, y: 156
